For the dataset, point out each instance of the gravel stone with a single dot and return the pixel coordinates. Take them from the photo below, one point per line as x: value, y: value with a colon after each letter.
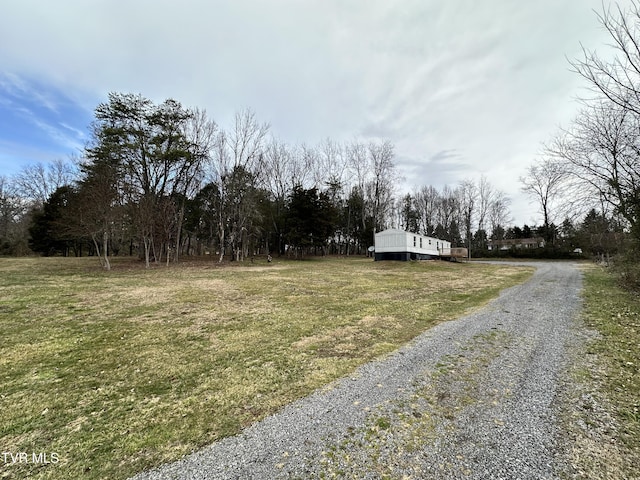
x: 472, y: 398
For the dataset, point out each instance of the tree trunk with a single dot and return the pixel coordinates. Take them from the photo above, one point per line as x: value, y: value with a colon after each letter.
x: 105, y: 244
x: 146, y: 241
x: 97, y: 247
x: 156, y: 258
x: 221, y: 238
x: 179, y: 232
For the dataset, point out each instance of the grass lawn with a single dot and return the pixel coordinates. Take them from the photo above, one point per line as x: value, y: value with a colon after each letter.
x: 109, y: 373
x: 607, y: 442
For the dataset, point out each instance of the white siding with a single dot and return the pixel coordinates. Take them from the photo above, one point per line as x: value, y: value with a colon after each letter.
x: 392, y: 241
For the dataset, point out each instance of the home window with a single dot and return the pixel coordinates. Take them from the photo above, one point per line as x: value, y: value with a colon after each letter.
x: 414, y: 241
x: 420, y: 242
x: 429, y: 241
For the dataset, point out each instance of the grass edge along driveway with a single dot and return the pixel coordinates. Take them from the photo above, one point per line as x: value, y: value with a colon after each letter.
x: 602, y: 406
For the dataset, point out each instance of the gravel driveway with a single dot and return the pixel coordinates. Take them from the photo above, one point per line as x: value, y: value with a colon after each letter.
x: 471, y: 398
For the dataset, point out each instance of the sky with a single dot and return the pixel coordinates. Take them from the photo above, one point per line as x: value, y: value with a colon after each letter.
x: 462, y: 88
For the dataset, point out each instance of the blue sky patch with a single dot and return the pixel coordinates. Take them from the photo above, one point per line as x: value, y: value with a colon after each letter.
x: 38, y: 123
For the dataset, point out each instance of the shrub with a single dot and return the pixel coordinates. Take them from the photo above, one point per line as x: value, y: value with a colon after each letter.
x: 627, y: 267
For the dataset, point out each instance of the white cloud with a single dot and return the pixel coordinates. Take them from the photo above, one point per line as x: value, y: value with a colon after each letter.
x: 486, y: 80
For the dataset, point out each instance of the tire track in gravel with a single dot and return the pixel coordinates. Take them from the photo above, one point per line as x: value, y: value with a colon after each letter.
x: 472, y: 398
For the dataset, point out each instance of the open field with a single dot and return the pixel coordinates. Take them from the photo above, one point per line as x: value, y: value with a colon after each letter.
x: 117, y: 371
x: 606, y: 417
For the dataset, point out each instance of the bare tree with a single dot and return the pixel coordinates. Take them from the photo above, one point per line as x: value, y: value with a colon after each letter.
x: 220, y: 166
x: 284, y: 168
x: 613, y: 117
x: 331, y: 164
x: 310, y: 157
x: 13, y: 212
x: 468, y: 199
x: 7, y: 207
x: 199, y: 132
x: 278, y: 161
x: 358, y: 166
x: 601, y: 150
x: 618, y: 79
x: 237, y: 157
x: 426, y: 200
x: 247, y: 140
x: 301, y: 166
x: 486, y: 193
x: 492, y: 207
x: 545, y: 182
x: 382, y: 184
x: 38, y: 181
x: 499, y: 214
x: 358, y: 163
x: 447, y: 226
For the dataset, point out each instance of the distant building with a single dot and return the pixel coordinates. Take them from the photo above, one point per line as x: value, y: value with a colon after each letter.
x: 517, y: 243
x: 395, y: 244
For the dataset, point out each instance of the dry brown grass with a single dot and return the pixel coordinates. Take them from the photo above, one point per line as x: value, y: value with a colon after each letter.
x: 120, y: 371
x: 602, y: 404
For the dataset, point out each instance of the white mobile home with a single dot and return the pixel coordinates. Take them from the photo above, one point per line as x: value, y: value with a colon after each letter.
x: 395, y: 244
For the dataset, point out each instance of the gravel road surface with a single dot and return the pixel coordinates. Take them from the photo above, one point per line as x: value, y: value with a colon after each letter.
x: 474, y: 398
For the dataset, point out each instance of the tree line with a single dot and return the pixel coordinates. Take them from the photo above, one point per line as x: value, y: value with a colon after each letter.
x: 162, y: 181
